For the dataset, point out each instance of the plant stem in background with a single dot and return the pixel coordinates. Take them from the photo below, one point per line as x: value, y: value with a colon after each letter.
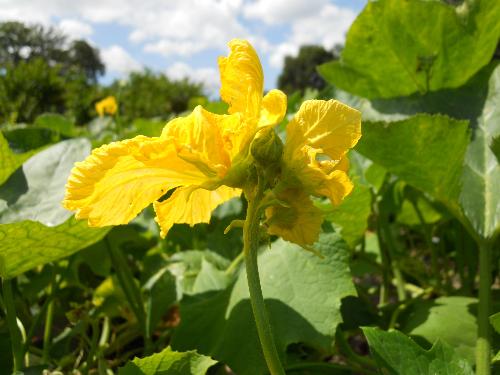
x: 15, y: 333
x: 483, y: 345
x: 49, y: 317
x: 131, y: 291
x: 250, y: 248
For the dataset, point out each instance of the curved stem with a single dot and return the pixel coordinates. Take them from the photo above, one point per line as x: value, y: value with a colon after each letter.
x: 250, y: 249
x: 15, y: 333
x: 483, y: 345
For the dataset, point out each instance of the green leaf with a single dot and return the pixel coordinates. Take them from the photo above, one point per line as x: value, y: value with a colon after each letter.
x: 28, y: 244
x: 495, y: 147
x: 199, y: 271
x: 351, y: 215
x: 495, y: 321
x: 303, y: 295
x: 168, y: 362
x: 35, y: 191
x: 56, y: 122
x: 161, y: 294
x: 397, y: 354
x: 449, y: 319
x: 425, y: 151
x: 24, y: 138
x: 480, y: 196
x: 9, y: 161
x: 397, y: 48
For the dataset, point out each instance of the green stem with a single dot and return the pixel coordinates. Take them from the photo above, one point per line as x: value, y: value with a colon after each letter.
x: 235, y: 264
x: 131, y: 291
x: 15, y: 333
x: 430, y: 244
x: 483, y: 345
x: 49, y: 317
x: 250, y: 248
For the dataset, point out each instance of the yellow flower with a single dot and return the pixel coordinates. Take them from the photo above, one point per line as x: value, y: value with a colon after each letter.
x: 196, y: 155
x: 107, y: 105
x: 314, y: 163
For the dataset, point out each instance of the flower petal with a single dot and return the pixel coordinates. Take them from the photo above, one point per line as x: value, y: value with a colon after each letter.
x: 327, y: 178
x: 118, y: 180
x: 191, y: 205
x: 329, y: 125
x: 242, y: 80
x: 299, y: 223
x: 273, y: 108
x: 199, y: 140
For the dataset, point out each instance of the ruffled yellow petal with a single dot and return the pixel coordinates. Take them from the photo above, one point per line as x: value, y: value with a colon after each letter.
x: 118, y: 180
x: 320, y: 178
x: 242, y: 80
x: 330, y: 126
x: 190, y: 205
x: 199, y: 139
x: 299, y: 223
x: 273, y: 108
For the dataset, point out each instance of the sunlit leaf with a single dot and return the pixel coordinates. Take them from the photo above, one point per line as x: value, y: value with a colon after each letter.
x: 303, y: 294
x: 397, y: 48
x: 397, y: 354
x: 168, y: 362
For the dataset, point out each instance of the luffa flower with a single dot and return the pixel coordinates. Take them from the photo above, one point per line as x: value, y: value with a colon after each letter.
x: 197, y: 155
x: 107, y: 105
x: 314, y: 163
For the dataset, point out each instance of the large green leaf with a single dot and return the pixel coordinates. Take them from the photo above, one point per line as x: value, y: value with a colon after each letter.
x: 449, y: 319
x: 397, y: 354
x: 352, y: 214
x: 35, y: 191
x: 168, y: 362
x: 28, y: 244
x: 480, y: 196
x: 56, y: 122
x: 397, y: 48
x: 303, y: 295
x: 426, y: 151
x: 9, y: 161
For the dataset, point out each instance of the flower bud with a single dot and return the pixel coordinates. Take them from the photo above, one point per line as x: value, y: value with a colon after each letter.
x: 267, y: 148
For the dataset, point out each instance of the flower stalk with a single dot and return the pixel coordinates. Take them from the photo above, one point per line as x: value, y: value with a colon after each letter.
x: 483, y: 344
x: 250, y: 248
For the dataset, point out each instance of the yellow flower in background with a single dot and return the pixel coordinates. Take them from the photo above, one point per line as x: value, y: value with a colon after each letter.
x: 194, y: 155
x: 106, y: 106
x: 314, y: 163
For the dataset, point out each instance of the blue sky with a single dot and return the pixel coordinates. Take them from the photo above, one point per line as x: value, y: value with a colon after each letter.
x: 183, y: 38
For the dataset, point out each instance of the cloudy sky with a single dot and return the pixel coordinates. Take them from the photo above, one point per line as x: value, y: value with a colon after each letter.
x: 184, y: 37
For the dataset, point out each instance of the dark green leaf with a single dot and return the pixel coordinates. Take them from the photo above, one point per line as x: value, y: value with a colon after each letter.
x: 168, y: 362
x: 397, y: 354
x: 303, y: 294
x: 397, y: 48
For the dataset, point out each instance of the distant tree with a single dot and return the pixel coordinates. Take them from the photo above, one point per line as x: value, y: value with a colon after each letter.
x: 86, y: 59
x: 300, y: 72
x: 29, y: 89
x: 20, y: 42
x: 149, y: 94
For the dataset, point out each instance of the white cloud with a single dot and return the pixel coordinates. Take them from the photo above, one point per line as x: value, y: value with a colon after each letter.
x: 75, y: 29
x: 327, y: 28
x: 117, y: 60
x: 209, y: 77
x: 282, y: 11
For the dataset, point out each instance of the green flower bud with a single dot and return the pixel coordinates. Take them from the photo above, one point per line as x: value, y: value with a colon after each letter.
x: 267, y: 148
